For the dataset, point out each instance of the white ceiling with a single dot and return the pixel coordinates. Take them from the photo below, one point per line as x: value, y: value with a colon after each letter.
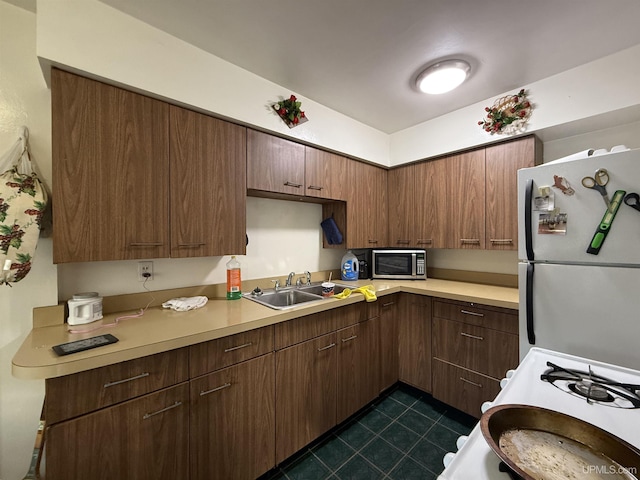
x: 359, y: 57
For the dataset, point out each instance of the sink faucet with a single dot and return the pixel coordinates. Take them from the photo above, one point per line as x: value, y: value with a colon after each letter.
x: 276, y: 284
x: 289, y: 278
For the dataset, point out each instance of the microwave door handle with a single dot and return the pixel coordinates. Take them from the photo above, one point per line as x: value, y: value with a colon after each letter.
x: 413, y: 264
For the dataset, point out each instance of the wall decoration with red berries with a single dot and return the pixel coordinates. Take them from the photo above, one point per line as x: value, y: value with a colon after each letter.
x: 508, y: 115
x: 289, y: 111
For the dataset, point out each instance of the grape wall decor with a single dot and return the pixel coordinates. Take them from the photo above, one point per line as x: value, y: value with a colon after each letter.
x: 290, y: 112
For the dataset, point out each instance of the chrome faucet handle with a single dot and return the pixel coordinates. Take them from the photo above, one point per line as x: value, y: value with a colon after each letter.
x: 289, y: 278
x: 299, y: 282
x: 308, y: 275
x: 276, y: 285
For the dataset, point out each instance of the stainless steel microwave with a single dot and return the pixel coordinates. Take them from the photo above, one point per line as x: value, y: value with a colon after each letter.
x: 399, y: 264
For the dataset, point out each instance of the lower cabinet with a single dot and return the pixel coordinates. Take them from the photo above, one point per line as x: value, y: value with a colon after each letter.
x: 145, y: 438
x: 388, y: 341
x: 414, y: 340
x: 232, y: 431
x: 305, y: 393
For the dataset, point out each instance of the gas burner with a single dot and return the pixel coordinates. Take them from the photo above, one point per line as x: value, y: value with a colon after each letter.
x: 592, y: 387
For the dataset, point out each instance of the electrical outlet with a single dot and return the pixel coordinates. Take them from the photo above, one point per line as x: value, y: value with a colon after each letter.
x: 145, y: 271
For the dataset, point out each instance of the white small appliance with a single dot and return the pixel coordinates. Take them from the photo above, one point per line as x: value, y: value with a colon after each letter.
x: 84, y: 308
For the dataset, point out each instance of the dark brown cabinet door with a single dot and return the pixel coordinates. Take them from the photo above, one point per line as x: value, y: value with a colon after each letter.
x: 432, y: 203
x: 208, y: 185
x: 274, y: 164
x: 325, y: 174
x: 414, y: 340
x: 402, y: 206
x: 466, y: 190
x: 146, y: 438
x: 388, y: 341
x: 305, y: 393
x: 502, y: 164
x: 233, y: 421
x: 110, y: 172
x: 367, y: 206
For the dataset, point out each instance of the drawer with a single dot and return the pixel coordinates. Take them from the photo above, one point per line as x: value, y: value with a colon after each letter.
x: 311, y: 326
x: 463, y: 389
x: 216, y: 354
x: 496, y: 318
x: 83, y: 392
x: 481, y: 349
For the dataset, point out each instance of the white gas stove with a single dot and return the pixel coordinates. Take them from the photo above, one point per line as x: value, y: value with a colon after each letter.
x: 609, y: 407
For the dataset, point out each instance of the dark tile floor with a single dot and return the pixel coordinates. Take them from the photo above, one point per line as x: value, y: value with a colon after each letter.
x: 403, y: 435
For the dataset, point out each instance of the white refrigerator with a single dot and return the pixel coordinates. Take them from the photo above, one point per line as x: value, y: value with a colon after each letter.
x: 572, y: 301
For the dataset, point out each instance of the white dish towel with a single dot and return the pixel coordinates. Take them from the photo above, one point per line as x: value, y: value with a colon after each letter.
x: 182, y: 304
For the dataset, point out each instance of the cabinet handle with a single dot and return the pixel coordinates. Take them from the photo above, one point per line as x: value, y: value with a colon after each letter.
x: 428, y: 241
x: 291, y: 184
x: 388, y: 304
x: 221, y: 387
x: 468, y: 335
x: 331, y: 345
x: 149, y: 415
x: 227, y: 350
x: 475, y: 314
x: 501, y: 240
x: 479, y: 385
x: 402, y: 242
x: 118, y: 382
x: 353, y: 337
x: 372, y: 241
x: 314, y: 187
x: 470, y: 241
x: 146, y: 244
x: 191, y: 245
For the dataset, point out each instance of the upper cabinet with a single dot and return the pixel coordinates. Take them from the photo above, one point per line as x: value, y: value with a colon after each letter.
x: 367, y: 206
x: 502, y: 163
x: 325, y: 174
x: 113, y: 151
x: 274, y: 164
x: 208, y: 184
x: 463, y: 201
x: 110, y: 172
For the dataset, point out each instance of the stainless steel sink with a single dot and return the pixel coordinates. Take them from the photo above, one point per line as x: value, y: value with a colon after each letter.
x: 290, y: 297
x: 316, y: 288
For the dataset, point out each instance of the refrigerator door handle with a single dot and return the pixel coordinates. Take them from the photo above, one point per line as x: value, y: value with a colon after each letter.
x: 531, y: 336
x: 528, y: 206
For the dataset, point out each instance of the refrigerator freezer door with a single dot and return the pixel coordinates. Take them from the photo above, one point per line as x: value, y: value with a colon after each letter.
x: 589, y: 311
x: 585, y: 209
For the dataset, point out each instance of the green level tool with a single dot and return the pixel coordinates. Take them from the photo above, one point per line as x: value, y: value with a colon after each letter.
x: 605, y: 223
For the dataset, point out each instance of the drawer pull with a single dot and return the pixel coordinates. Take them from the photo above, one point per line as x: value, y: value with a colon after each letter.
x: 475, y: 314
x: 191, y: 245
x: 118, y: 382
x: 149, y: 415
x: 146, y: 244
x: 291, y: 184
x: 468, y: 335
x: 470, y: 241
x: 372, y: 241
x: 221, y: 387
x: 227, y: 350
x: 331, y: 345
x: 479, y: 385
x: 314, y: 187
x: 501, y: 240
x: 425, y: 242
x: 388, y: 304
x: 352, y: 337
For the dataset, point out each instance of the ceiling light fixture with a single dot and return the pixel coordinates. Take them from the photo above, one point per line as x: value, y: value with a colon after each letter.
x: 443, y: 76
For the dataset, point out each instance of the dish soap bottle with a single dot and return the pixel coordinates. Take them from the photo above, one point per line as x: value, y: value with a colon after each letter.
x: 233, y: 279
x: 350, y: 266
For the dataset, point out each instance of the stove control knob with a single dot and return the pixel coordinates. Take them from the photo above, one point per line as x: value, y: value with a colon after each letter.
x: 486, y: 406
x: 448, y: 457
x: 461, y: 441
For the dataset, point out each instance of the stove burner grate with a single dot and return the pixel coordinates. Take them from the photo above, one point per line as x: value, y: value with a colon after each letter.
x: 593, y: 387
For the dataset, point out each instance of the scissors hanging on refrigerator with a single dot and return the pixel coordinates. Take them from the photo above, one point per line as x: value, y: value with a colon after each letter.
x: 598, y: 183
